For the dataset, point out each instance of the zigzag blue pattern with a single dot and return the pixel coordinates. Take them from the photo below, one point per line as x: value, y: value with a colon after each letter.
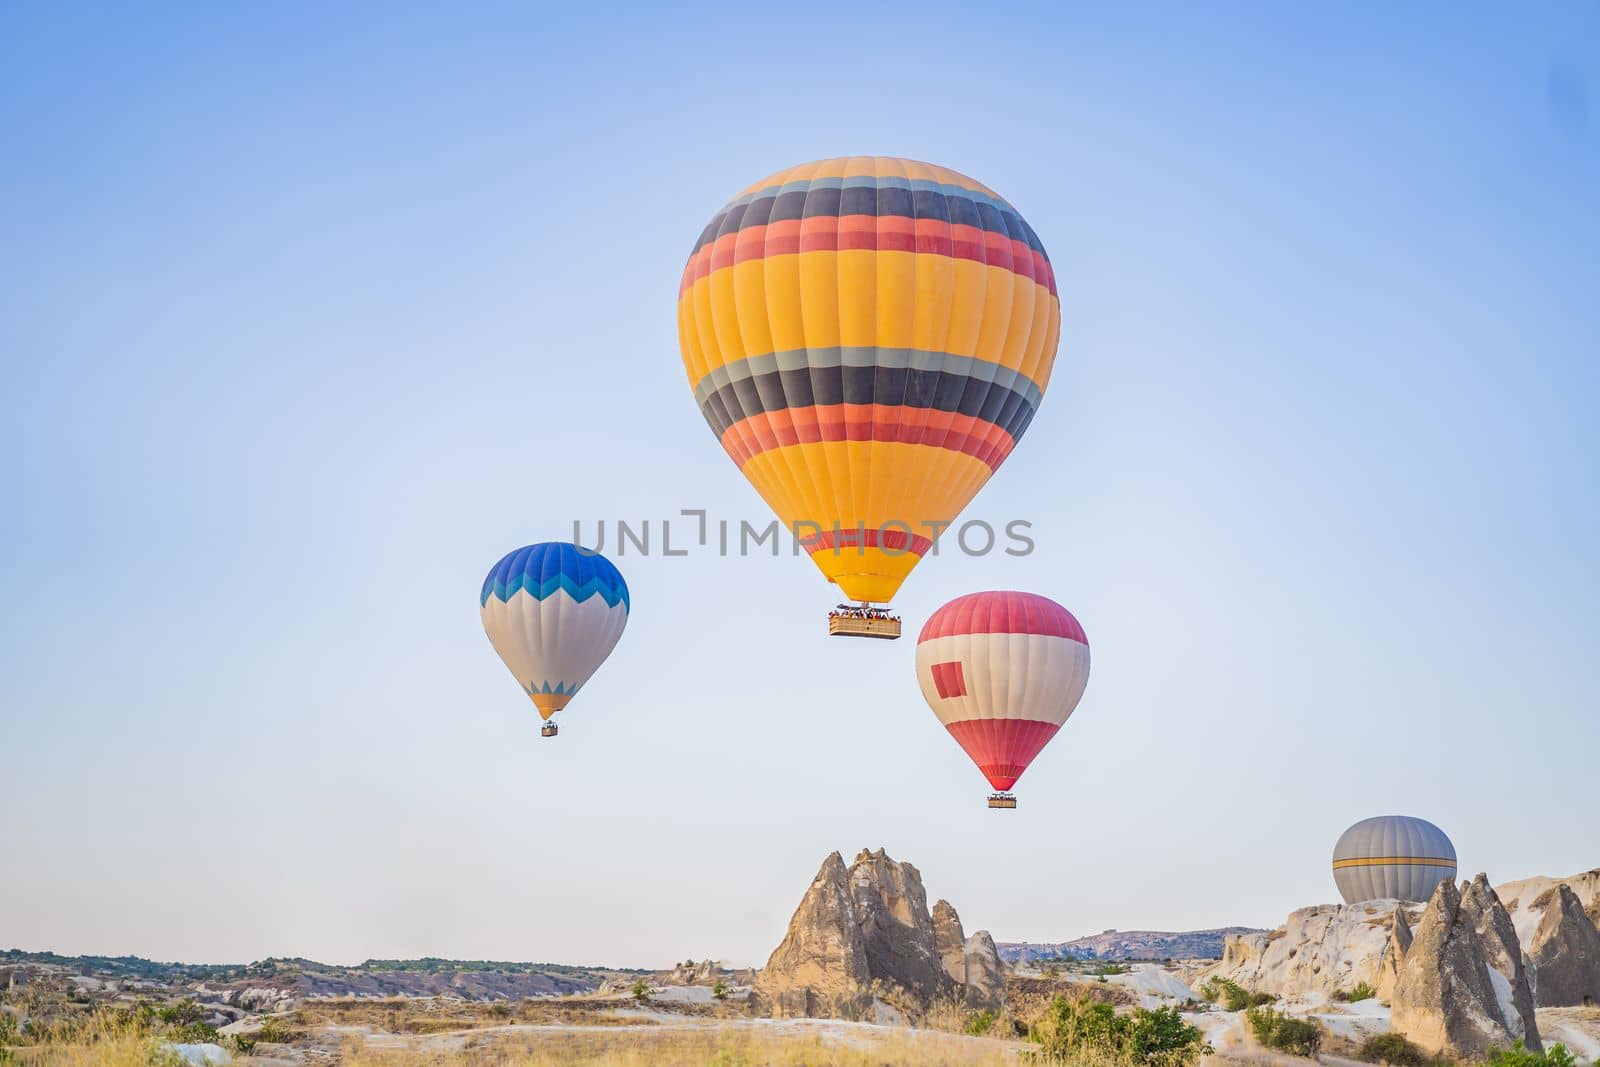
x: 579, y: 591
x: 560, y: 689
x: 544, y: 568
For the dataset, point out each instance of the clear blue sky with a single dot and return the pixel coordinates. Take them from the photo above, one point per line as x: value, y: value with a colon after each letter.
x: 307, y: 316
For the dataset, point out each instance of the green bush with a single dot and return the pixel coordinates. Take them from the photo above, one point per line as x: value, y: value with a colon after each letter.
x: 1111, y: 968
x: 720, y: 989
x: 1362, y: 991
x: 1518, y: 1056
x: 1231, y: 995
x: 980, y: 1023
x: 1275, y: 1030
x: 276, y: 1031
x: 1392, y: 1049
x: 1075, y: 1030
x: 180, y: 1013
x: 641, y: 991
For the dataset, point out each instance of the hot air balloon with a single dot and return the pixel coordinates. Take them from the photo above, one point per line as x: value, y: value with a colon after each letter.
x: 1392, y: 857
x: 554, y: 613
x: 1002, y: 671
x: 868, y: 338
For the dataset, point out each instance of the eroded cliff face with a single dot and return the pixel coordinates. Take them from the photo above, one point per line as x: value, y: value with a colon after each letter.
x: 863, y: 944
x: 1527, y: 899
x: 1446, y: 999
x: 1503, y: 954
x: 1329, y: 948
x: 986, y: 973
x: 950, y: 941
x: 1394, y: 952
x: 819, y: 969
x: 1564, y: 951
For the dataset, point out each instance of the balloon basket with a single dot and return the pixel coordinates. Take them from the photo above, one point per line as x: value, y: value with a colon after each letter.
x: 549, y: 729
x: 849, y: 620
x: 1002, y: 800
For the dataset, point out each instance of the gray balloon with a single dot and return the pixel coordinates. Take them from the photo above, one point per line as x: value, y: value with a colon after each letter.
x: 1392, y: 857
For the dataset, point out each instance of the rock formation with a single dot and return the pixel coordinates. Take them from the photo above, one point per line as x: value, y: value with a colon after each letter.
x: 1503, y: 953
x: 891, y: 909
x: 1565, y: 953
x: 820, y: 967
x: 950, y: 941
x: 1330, y: 948
x: 863, y: 945
x: 1394, y: 953
x: 1445, y: 999
x: 1527, y: 898
x: 985, y: 974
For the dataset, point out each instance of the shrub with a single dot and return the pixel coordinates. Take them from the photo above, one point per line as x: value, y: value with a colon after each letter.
x: 276, y: 1031
x: 1392, y: 1049
x: 1518, y: 1056
x: 980, y: 1023
x: 1111, y: 968
x: 180, y: 1013
x: 1362, y: 991
x: 1162, y: 1037
x: 1081, y: 1029
x: 1275, y: 1030
x: 641, y: 991
x: 720, y: 989
x: 1231, y: 995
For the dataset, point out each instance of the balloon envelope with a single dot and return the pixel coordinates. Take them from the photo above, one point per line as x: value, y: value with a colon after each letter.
x: 868, y: 338
x: 1392, y: 857
x: 1002, y: 671
x: 554, y: 614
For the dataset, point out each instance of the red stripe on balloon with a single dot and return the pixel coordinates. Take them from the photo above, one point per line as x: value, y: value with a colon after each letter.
x: 1003, y: 612
x: 951, y: 430
x: 853, y: 537
x: 1002, y: 748
x: 883, y: 233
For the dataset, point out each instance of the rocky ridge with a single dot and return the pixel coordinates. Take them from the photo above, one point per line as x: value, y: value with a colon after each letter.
x: 1458, y: 974
x: 1128, y: 945
x: 864, y: 945
x: 1328, y: 948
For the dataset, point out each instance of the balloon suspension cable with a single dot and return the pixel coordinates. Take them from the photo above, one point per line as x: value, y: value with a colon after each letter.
x: 1002, y: 800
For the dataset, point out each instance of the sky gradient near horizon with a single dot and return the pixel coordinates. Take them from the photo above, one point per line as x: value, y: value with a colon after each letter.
x: 308, y: 316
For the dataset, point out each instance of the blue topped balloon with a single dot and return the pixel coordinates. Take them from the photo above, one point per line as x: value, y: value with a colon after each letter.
x: 553, y: 612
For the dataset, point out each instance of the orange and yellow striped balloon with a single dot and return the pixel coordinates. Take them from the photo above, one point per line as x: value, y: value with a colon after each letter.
x: 869, y: 338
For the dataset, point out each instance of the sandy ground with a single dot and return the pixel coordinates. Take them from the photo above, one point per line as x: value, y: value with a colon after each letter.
x: 1576, y: 1028
x: 642, y: 1028
x: 691, y: 1009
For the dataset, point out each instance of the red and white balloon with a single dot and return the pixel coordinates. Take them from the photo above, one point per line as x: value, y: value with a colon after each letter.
x: 1002, y: 671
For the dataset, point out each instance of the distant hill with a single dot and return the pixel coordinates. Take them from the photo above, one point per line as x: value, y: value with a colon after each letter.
x: 1126, y: 945
x: 277, y: 979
